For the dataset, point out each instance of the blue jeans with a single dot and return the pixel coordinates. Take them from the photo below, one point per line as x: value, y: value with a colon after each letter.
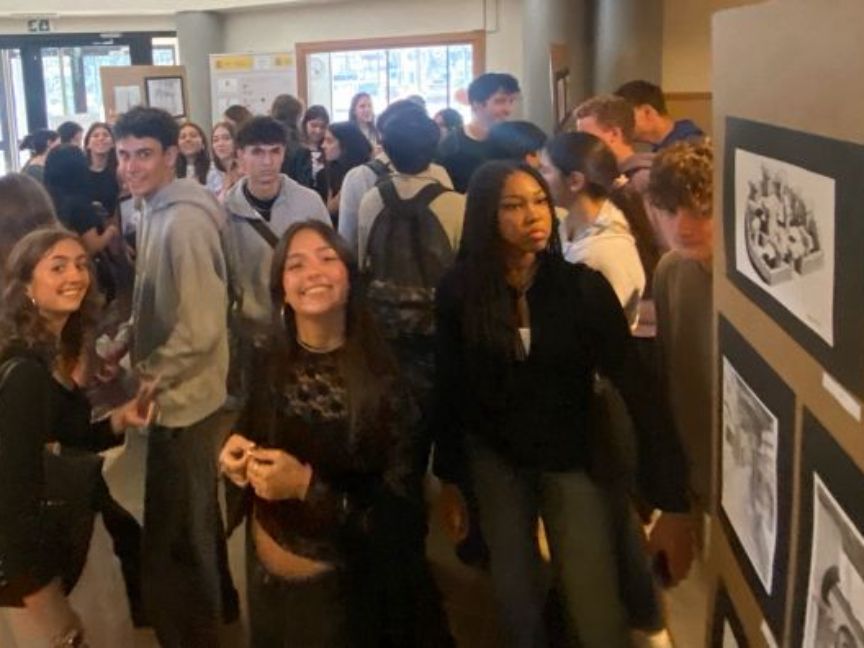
x: 187, y: 588
x: 581, y: 532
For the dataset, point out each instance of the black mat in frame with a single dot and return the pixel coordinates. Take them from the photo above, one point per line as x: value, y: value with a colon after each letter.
x: 841, y: 476
x: 725, y: 611
x: 780, y: 399
x: 844, y: 162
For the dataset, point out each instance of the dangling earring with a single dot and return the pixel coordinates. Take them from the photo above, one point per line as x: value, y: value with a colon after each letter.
x: 33, y: 301
x: 285, y: 317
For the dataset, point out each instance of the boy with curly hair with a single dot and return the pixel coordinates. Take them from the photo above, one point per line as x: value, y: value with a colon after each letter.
x: 681, y: 188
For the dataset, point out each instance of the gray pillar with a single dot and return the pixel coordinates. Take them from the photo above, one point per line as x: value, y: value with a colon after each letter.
x: 199, y: 34
x: 545, y: 22
x: 629, y: 42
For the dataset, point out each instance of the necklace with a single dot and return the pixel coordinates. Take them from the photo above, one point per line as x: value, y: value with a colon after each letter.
x: 322, y: 349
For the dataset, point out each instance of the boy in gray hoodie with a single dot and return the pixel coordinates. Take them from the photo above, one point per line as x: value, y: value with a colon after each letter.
x: 179, y: 342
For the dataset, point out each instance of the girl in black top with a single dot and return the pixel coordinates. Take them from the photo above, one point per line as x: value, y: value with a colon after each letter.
x: 324, y: 451
x: 102, y: 158
x: 306, y: 161
x: 521, y: 334
x: 47, y: 312
x: 345, y: 147
x: 67, y: 177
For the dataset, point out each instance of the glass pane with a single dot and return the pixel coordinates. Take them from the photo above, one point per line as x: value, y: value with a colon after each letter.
x: 433, y: 78
x: 404, y: 73
x: 461, y: 66
x: 358, y: 71
x: 73, y: 88
x: 318, y: 80
x: 165, y: 50
x: 19, y: 95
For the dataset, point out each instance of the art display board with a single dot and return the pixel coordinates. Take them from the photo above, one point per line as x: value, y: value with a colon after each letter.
x: 789, y: 281
x: 253, y: 80
x: 757, y: 426
x: 125, y: 86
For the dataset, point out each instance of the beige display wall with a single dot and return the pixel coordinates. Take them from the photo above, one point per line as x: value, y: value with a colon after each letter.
x: 800, y: 65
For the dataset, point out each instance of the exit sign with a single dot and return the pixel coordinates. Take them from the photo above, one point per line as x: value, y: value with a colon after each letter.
x: 38, y: 25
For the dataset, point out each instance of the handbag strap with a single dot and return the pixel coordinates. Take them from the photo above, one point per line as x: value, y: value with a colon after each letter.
x: 6, y: 369
x: 264, y: 230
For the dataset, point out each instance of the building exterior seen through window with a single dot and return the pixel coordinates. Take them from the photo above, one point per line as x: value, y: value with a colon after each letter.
x: 436, y: 73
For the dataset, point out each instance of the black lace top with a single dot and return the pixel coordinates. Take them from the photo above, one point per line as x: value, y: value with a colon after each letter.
x: 362, y: 475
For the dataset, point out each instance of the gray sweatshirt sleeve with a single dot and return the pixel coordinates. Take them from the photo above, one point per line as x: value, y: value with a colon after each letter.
x: 197, y: 272
x: 355, y: 185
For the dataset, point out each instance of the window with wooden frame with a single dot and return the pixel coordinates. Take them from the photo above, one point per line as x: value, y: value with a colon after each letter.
x: 437, y: 67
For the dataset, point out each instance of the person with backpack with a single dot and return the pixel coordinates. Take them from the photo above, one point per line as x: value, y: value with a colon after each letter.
x: 364, y: 177
x: 409, y: 230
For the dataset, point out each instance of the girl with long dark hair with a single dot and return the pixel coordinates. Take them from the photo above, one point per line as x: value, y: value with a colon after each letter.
x: 345, y: 147
x: 304, y: 164
x: 362, y: 115
x: 225, y: 157
x: 324, y: 451
x: 606, y: 227
x: 104, y: 187
x: 194, y: 158
x: 521, y: 334
x: 48, y: 311
x: 67, y: 176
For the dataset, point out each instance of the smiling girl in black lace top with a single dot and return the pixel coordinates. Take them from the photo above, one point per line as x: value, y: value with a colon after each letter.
x: 324, y: 452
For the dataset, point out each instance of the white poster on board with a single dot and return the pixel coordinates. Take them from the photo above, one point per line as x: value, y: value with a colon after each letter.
x: 252, y: 80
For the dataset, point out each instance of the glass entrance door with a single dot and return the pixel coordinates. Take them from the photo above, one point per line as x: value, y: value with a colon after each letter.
x: 73, y: 88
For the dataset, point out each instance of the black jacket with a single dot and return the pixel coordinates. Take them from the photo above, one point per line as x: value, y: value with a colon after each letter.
x: 536, y: 413
x: 34, y: 410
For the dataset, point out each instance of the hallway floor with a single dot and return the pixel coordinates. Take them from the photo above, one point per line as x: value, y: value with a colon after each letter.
x: 467, y: 591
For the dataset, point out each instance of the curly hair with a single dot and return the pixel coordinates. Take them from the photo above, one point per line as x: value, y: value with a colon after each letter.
x: 21, y: 323
x: 682, y: 176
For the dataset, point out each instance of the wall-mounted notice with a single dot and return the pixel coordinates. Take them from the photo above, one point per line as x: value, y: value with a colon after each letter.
x: 251, y: 80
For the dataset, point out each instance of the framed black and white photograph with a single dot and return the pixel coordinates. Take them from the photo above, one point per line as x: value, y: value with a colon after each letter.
x: 830, y: 593
x: 791, y: 222
x: 166, y: 93
x: 726, y: 629
x: 749, y: 496
x: 757, y: 418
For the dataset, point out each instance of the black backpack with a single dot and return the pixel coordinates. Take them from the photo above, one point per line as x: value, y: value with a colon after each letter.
x: 407, y: 253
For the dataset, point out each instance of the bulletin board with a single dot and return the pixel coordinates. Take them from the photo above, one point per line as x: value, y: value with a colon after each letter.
x: 788, y: 562
x: 253, y: 80
x: 150, y: 85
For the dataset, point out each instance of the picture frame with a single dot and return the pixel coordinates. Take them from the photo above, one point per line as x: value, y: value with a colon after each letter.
x: 756, y: 468
x: 788, y: 196
x: 167, y: 93
x: 828, y: 608
x: 727, y: 631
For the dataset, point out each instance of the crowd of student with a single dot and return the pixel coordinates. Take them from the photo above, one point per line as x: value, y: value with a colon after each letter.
x: 322, y: 313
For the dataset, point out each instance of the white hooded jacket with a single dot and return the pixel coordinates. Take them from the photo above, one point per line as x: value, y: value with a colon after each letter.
x: 606, y: 245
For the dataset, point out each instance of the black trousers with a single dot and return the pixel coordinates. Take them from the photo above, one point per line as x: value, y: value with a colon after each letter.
x: 188, y: 591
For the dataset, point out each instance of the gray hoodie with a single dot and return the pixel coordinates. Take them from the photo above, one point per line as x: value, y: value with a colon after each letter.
x: 180, y: 302
x: 251, y: 255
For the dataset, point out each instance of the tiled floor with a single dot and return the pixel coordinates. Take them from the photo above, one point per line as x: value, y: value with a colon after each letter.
x: 466, y: 590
